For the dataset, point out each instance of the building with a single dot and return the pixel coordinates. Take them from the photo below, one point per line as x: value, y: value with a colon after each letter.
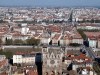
x: 98, y: 42
x: 52, y: 61
x: 3, y: 65
x: 82, y: 64
x: 65, y: 40
x: 21, y: 58
x: 45, y: 38
x: 56, y: 39
x: 76, y: 38
x: 24, y: 29
x: 93, y: 38
x: 88, y: 26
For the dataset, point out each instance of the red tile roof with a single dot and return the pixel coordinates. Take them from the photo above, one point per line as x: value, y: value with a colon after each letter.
x: 82, y: 57
x: 93, y: 35
x: 21, y: 53
x: 4, y: 62
x: 57, y: 36
x: 4, y: 73
x: 32, y: 72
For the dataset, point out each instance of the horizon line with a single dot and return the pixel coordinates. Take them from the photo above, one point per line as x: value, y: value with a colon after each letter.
x: 44, y: 6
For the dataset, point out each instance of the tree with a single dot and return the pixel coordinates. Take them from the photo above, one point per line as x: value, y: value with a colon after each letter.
x: 74, y: 44
x: 33, y: 41
x: 9, y: 41
x: 37, y: 41
x: 80, y: 31
x: 8, y: 54
x: 18, y: 42
x: 0, y: 42
x: 30, y: 41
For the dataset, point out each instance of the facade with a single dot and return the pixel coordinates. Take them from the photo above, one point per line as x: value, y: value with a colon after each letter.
x: 45, y: 38
x: 98, y: 42
x: 24, y: 59
x: 93, y: 43
x: 88, y: 26
x: 52, y: 61
x: 76, y: 38
x: 45, y: 41
x: 82, y: 64
x: 93, y: 38
x: 56, y: 39
x: 3, y: 64
x: 24, y: 30
x: 65, y: 40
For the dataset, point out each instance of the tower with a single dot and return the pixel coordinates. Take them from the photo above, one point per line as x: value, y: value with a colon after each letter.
x: 52, y: 61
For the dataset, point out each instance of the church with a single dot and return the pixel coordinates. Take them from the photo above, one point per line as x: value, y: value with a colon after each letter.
x: 52, y: 61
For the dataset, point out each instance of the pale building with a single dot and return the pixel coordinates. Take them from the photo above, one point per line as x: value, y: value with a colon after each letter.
x: 24, y: 29
x: 56, y: 39
x: 76, y: 38
x: 92, y: 42
x: 24, y: 58
x: 65, y: 40
x: 45, y: 38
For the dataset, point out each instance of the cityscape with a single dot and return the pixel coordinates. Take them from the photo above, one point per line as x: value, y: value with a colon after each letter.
x: 49, y: 40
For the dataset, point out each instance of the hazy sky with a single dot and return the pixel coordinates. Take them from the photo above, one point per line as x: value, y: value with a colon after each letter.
x: 49, y: 2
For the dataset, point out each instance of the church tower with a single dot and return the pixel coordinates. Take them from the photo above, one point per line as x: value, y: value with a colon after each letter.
x: 52, y: 61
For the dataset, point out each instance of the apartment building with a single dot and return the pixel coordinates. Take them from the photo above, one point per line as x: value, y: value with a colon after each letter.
x: 21, y: 58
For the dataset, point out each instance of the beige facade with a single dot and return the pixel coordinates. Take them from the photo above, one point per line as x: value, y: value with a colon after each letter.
x: 65, y: 42
x: 52, y: 61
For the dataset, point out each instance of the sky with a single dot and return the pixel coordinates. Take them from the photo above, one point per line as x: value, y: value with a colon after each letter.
x: 50, y: 3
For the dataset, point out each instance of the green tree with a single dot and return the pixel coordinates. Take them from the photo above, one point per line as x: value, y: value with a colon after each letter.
x: 18, y: 42
x: 37, y: 41
x: 33, y: 41
x: 74, y: 44
x: 9, y: 42
x: 8, y: 54
x: 82, y: 34
x: 0, y: 42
